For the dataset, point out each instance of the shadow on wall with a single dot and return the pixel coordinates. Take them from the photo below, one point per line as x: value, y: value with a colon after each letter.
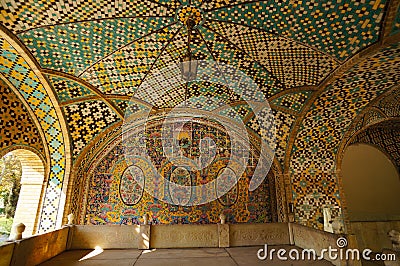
x: 371, y: 186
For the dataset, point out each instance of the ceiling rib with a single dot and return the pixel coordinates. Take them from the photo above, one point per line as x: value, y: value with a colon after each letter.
x: 158, y: 56
x: 278, y: 35
x: 122, y: 47
x: 240, y: 49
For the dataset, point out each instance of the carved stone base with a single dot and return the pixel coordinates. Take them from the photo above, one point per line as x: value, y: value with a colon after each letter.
x: 144, y: 237
x: 223, y: 235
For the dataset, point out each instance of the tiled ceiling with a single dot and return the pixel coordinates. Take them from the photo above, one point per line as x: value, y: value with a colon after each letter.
x: 114, y: 45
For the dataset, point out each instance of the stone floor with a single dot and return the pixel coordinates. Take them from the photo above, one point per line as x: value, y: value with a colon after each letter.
x: 175, y: 257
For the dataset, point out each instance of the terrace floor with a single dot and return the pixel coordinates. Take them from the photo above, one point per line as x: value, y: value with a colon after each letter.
x: 176, y: 257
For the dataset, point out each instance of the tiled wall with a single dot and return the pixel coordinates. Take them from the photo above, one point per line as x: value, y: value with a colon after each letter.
x: 115, y: 196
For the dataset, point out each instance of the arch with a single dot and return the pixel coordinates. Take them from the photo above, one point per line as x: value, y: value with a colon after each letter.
x: 32, y: 189
x: 366, y: 169
x: 109, y: 149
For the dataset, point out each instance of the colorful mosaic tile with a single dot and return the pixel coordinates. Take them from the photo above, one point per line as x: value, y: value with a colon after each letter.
x: 217, y: 4
x: 209, y: 95
x: 293, y: 101
x: 129, y: 107
x: 328, y: 26
x: 164, y: 87
x: 396, y: 23
x: 390, y: 104
x: 294, y: 64
x: 86, y: 120
x: 73, y: 48
x: 238, y: 112
x: 383, y: 109
x: 24, y: 15
x: 372, y: 117
x: 18, y: 72
x: 108, y: 204
x: 226, y: 53
x: 123, y: 71
x: 277, y: 44
x: 17, y: 127
x: 68, y: 89
x: 283, y: 125
x: 317, y: 141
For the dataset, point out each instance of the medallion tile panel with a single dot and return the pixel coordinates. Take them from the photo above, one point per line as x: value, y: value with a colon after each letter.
x: 109, y: 204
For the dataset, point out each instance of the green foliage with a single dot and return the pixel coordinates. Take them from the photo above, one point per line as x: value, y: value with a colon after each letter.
x: 10, y: 183
x: 5, y: 225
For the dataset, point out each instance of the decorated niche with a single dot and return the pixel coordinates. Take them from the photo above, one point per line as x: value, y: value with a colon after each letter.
x: 184, y: 154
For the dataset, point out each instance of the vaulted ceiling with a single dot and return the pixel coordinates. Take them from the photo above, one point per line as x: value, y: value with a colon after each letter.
x: 105, y: 58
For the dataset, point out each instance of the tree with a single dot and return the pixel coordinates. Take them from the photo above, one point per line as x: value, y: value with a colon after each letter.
x: 10, y: 182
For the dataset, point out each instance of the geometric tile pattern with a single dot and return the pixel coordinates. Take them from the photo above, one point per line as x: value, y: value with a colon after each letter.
x: 389, y: 105
x: 371, y: 117
x: 122, y: 72
x: 293, y: 101
x: 86, y: 120
x: 115, y: 46
x: 208, y: 95
x: 18, y: 72
x: 72, y: 48
x: 76, y: 203
x: 238, y: 112
x: 339, y: 29
x: 293, y: 64
x: 381, y: 129
x: 283, y: 126
x: 396, y: 23
x: 164, y: 87
x: 315, y: 147
x: 17, y: 127
x: 129, y: 107
x: 24, y: 15
x: 381, y: 110
x: 68, y: 89
x: 227, y: 53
